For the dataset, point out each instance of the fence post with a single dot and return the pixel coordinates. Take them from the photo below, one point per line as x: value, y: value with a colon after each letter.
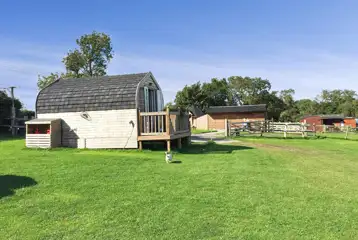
x: 229, y: 127
x: 347, y: 130
x: 226, y: 128
x: 314, y: 129
x: 167, y: 123
x: 303, y: 130
x: 285, y: 131
x: 140, y: 129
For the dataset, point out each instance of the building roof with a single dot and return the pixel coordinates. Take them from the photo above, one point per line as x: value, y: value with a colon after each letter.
x: 42, y: 121
x: 90, y: 94
x: 327, y: 116
x: 196, y: 111
x: 238, y: 109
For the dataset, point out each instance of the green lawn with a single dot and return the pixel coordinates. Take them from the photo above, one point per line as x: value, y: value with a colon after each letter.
x: 260, y: 189
x: 198, y: 131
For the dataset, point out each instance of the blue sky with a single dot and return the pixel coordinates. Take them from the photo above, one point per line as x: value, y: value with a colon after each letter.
x: 307, y: 45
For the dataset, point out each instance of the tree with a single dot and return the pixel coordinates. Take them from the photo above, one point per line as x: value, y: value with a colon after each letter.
x: 306, y: 107
x: 6, y: 105
x: 44, y: 81
x: 218, y: 93
x: 191, y: 95
x: 250, y: 90
x: 337, y: 102
x: 26, y: 112
x: 290, y: 111
x: 171, y: 106
x: 74, y: 62
x: 91, y: 59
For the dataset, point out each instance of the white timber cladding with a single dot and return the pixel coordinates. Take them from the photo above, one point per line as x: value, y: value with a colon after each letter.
x: 201, y: 122
x: 101, y: 129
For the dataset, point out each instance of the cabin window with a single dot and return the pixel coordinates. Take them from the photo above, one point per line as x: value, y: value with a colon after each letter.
x: 38, y: 129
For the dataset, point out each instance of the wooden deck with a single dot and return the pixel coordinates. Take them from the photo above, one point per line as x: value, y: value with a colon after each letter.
x: 163, y: 126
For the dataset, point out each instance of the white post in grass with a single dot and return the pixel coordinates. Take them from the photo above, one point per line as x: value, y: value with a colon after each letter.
x: 347, y: 130
x: 226, y: 128
x: 285, y: 131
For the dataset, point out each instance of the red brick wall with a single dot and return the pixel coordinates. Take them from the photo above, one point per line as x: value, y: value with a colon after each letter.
x: 350, y: 122
x: 313, y: 120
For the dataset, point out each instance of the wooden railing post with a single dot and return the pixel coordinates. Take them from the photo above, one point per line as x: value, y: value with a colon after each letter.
x: 167, y: 121
x: 140, y: 123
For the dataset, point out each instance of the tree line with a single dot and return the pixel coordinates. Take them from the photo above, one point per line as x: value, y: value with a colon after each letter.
x: 281, y: 105
x: 95, y: 51
x: 6, y: 106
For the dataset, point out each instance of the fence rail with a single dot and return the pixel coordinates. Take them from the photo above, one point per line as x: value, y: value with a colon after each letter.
x: 233, y: 128
x: 163, y: 123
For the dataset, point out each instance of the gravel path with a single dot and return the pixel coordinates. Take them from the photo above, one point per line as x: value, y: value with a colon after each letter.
x: 217, y: 137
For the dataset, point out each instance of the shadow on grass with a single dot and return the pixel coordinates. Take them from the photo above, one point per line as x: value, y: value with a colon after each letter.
x: 211, y: 148
x: 7, y: 137
x: 176, y: 162
x: 8, y: 184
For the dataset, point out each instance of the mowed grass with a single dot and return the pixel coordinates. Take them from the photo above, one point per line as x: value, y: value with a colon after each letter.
x: 260, y: 189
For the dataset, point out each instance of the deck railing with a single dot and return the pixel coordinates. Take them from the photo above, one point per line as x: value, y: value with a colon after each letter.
x: 163, y: 123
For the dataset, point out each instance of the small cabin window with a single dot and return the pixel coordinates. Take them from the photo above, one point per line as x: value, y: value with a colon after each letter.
x: 38, y: 129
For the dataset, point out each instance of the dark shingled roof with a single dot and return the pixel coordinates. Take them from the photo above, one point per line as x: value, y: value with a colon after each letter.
x: 90, y: 94
x: 326, y: 116
x: 238, y: 109
x: 196, y: 111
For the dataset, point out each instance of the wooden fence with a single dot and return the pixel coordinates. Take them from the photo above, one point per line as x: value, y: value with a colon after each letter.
x: 233, y: 128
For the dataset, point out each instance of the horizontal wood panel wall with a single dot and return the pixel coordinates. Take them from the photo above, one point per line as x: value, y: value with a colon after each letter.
x: 217, y: 121
x: 102, y: 129
x: 38, y: 140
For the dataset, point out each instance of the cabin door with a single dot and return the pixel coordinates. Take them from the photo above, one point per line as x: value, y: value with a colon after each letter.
x: 150, y: 100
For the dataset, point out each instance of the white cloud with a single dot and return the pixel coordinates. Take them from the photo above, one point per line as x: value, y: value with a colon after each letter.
x: 306, y: 71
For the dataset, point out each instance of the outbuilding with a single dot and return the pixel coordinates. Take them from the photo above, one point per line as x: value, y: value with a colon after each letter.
x: 110, y: 111
x: 334, y: 120
x: 215, y: 117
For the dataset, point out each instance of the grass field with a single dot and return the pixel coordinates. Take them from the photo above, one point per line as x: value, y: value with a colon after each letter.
x: 259, y: 189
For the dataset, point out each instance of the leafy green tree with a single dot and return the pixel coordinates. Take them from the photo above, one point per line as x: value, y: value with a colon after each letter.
x: 74, y: 63
x: 6, y: 105
x: 171, y: 106
x: 91, y: 59
x: 218, y: 93
x: 290, y: 111
x: 191, y: 95
x: 337, y: 102
x: 250, y: 90
x: 306, y: 107
x: 44, y: 81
